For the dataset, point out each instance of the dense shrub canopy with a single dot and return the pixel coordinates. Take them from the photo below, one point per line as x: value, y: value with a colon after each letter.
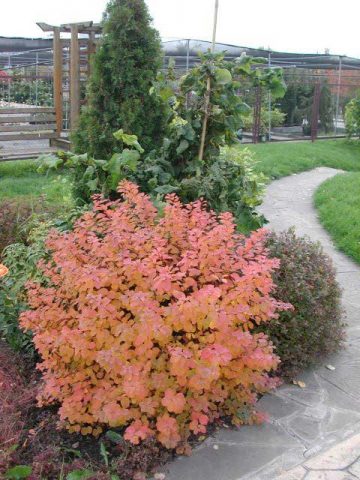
x: 124, y: 66
x: 146, y: 321
x: 306, y: 279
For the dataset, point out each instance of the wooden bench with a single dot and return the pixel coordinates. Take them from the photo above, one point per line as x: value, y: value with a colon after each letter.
x: 26, y: 124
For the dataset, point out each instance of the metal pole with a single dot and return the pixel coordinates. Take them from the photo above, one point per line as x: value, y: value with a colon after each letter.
x: 188, y: 56
x: 9, y: 80
x: 215, y: 25
x: 269, y: 63
x: 36, y: 81
x: 338, y: 95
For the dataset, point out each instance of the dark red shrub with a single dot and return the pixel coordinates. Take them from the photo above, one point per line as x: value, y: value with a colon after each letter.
x: 306, y: 279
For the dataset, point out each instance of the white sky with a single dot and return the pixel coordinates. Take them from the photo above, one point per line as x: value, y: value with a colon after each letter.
x: 304, y: 26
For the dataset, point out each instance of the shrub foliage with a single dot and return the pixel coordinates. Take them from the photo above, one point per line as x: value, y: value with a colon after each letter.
x: 306, y: 279
x: 352, y: 117
x: 146, y: 320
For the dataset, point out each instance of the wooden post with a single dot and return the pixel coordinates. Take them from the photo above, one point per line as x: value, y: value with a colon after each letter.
x: 91, y: 50
x: 74, y: 78
x: 58, y: 89
x: 257, y: 115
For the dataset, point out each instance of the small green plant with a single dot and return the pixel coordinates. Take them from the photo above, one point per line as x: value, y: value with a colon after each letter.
x: 19, y: 472
x: 306, y: 279
x: 91, y: 176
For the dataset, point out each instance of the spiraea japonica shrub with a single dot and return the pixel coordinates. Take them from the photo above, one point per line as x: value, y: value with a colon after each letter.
x: 147, y: 319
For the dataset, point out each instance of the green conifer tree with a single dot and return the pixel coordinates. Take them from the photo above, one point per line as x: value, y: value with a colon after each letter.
x: 124, y: 66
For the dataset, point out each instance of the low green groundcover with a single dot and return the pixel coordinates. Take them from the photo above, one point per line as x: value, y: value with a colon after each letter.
x: 338, y: 204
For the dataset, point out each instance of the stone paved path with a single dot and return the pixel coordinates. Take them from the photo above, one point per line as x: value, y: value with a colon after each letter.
x: 303, y: 421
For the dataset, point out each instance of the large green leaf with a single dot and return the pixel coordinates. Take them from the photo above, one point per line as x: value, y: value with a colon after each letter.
x: 223, y: 76
x: 19, y: 472
x: 130, y: 140
x: 114, y: 437
x: 117, y: 164
x: 48, y: 162
x: 184, y: 145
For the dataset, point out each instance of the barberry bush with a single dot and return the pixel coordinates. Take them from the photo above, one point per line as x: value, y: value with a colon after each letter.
x: 314, y: 328
x: 145, y: 319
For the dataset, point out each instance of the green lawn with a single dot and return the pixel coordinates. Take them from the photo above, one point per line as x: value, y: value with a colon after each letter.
x: 280, y: 159
x: 19, y: 179
x: 338, y: 204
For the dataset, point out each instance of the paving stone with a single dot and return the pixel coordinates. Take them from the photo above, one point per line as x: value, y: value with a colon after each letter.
x: 229, y: 462
x: 329, y: 475
x: 355, y: 468
x: 278, y: 407
x: 265, y: 434
x: 297, y: 473
x: 338, y: 457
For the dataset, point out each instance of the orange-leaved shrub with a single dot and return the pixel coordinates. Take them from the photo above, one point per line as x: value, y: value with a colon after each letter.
x: 146, y: 320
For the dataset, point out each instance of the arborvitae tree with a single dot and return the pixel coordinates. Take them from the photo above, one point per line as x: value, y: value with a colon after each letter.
x: 124, y: 66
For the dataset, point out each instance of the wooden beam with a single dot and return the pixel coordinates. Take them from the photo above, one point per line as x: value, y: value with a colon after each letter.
x: 45, y: 27
x: 74, y: 78
x: 16, y: 110
x: 41, y: 127
x: 43, y: 118
x: 58, y: 87
x: 27, y: 136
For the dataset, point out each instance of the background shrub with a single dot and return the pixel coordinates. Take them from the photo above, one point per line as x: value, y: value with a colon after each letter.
x: 21, y: 259
x: 145, y: 321
x: 352, y: 117
x: 306, y: 279
x: 13, y: 216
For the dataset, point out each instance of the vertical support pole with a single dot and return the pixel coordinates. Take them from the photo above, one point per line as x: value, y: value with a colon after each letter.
x: 315, y: 112
x: 9, y: 79
x: 269, y: 102
x: 338, y: 95
x: 188, y: 56
x: 58, y: 84
x: 257, y: 115
x: 74, y: 78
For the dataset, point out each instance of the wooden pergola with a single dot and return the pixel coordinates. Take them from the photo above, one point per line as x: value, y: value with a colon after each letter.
x: 79, y: 47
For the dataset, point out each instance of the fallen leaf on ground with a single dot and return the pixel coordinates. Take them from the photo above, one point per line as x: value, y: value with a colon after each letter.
x: 330, y: 367
x: 159, y: 476
x: 299, y: 383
